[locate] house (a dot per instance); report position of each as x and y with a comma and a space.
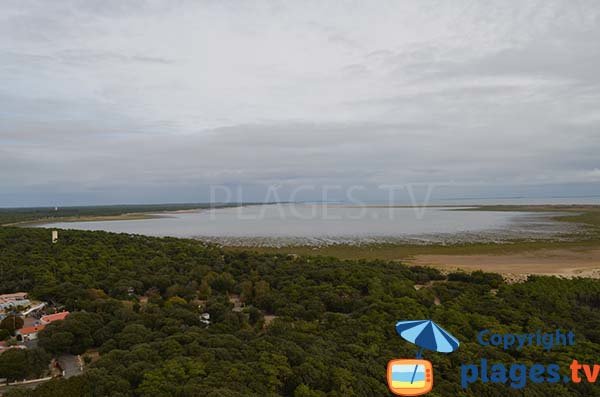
205, 318
50, 318
8, 301
15, 303
14, 296
29, 333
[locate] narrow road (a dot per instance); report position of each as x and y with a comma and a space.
71, 365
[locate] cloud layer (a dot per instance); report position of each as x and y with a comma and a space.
138, 101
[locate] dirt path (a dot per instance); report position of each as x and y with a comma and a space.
568, 263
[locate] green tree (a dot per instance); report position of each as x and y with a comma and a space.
18, 364
276, 369
12, 323
305, 391
14, 364
4, 334
204, 291
56, 341
73, 335
171, 378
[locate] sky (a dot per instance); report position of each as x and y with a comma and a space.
105, 102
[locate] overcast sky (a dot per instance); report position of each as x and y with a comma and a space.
154, 101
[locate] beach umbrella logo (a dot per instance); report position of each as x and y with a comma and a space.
414, 377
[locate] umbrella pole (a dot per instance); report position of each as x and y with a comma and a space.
419, 355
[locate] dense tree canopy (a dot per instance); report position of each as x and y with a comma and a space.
11, 323
19, 364
309, 326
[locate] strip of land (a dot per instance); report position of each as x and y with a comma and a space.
89, 218
38, 215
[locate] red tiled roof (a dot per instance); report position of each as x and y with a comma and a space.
31, 330
54, 317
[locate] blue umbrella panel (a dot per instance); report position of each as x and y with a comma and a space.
427, 335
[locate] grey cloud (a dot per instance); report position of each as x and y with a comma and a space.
82, 56
123, 101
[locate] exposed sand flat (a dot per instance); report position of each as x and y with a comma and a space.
560, 262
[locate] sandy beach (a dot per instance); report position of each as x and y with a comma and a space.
560, 262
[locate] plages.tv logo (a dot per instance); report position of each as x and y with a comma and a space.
414, 377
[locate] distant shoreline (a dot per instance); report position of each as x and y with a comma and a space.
90, 218
41, 215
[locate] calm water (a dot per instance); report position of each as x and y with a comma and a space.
331, 224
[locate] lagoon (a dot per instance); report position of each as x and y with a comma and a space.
318, 224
